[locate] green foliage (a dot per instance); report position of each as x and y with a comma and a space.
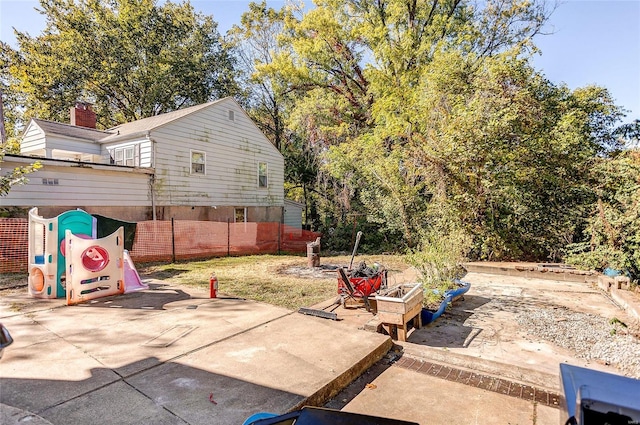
340, 237
255, 44
612, 236
629, 134
130, 58
9, 106
15, 176
428, 115
439, 260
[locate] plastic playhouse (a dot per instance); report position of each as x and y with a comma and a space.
66, 259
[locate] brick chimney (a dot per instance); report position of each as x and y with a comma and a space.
82, 115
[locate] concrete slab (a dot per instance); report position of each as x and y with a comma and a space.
170, 355
429, 400
11, 415
484, 326
115, 404
41, 370
295, 353
199, 396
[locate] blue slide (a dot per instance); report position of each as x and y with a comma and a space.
429, 316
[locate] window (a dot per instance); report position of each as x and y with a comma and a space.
241, 215
262, 174
197, 162
127, 155
232, 115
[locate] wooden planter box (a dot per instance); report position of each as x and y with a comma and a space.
400, 305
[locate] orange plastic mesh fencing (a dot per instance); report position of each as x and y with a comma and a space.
202, 239
180, 240
14, 244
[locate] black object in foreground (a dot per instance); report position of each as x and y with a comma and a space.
320, 416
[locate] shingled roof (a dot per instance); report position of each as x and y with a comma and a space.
121, 131
150, 123
68, 130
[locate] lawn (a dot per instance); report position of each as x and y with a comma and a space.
264, 278
261, 278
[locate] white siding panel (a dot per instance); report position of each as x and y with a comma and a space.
146, 150
33, 139
233, 150
293, 214
146, 155
79, 186
71, 145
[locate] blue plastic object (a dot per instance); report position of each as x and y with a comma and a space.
256, 417
429, 316
320, 416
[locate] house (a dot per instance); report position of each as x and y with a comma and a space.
293, 213
206, 162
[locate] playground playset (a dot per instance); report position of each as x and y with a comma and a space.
66, 259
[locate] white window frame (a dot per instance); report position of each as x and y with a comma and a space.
231, 115
265, 175
126, 155
203, 163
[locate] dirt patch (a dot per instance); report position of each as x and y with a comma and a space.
325, 271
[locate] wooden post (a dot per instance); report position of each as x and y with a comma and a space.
173, 242
279, 237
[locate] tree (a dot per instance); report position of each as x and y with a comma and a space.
255, 43
629, 133
435, 123
359, 69
15, 176
9, 178
612, 237
9, 104
130, 58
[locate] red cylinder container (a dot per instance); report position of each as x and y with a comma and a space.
213, 286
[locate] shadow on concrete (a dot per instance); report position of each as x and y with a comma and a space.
168, 393
449, 330
163, 274
351, 391
154, 298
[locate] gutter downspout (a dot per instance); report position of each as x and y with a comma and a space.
152, 180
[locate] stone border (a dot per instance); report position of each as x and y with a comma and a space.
485, 382
619, 288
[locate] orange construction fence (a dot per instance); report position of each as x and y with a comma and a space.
174, 240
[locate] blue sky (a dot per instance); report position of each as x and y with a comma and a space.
590, 42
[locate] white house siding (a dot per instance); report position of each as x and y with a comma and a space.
33, 140
293, 214
146, 150
56, 142
78, 186
233, 150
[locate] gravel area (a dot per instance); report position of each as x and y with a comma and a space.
591, 337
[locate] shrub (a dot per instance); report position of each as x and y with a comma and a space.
439, 260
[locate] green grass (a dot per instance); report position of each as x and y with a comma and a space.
260, 278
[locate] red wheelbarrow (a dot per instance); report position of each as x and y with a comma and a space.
356, 284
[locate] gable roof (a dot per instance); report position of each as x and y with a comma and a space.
132, 129
147, 124
68, 130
